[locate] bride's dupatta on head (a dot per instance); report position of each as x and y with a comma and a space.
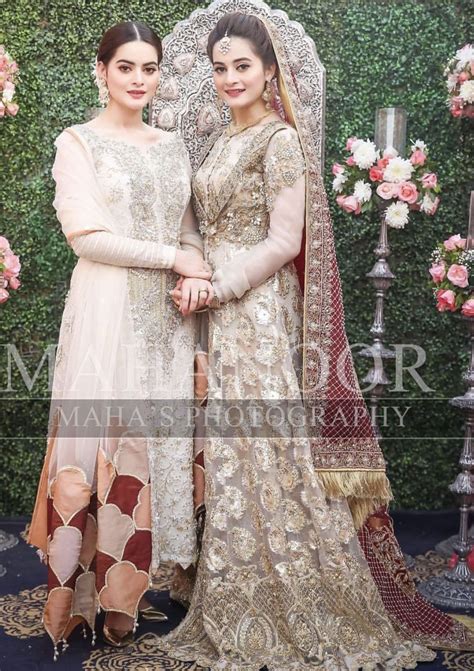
345, 449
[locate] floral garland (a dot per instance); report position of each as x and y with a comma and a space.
8, 80
389, 181
460, 82
9, 270
451, 269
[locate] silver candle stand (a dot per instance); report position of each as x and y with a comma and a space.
455, 588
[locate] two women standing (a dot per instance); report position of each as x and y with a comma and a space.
282, 579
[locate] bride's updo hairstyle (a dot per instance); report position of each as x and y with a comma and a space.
128, 31
249, 28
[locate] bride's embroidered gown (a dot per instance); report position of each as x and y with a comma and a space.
282, 580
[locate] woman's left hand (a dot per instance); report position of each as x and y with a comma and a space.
191, 294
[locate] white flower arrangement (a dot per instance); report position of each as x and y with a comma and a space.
366, 178
459, 73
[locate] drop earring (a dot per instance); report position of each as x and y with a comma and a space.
267, 95
104, 96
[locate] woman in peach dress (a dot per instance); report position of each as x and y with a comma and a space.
112, 505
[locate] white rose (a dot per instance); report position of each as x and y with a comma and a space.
355, 144
338, 181
8, 92
427, 203
452, 82
465, 55
396, 215
362, 191
419, 144
467, 91
365, 154
398, 170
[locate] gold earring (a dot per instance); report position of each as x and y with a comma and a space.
104, 96
267, 95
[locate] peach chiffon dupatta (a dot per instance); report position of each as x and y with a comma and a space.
92, 521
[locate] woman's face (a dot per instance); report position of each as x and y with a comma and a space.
132, 74
240, 75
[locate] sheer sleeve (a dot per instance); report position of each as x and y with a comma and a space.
190, 237
285, 190
118, 250
86, 221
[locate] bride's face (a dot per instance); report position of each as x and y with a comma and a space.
239, 74
132, 74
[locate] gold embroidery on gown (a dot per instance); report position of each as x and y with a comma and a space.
282, 580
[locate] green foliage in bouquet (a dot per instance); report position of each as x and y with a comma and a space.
377, 53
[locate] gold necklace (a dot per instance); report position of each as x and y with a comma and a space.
232, 129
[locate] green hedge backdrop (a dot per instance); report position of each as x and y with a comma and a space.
377, 53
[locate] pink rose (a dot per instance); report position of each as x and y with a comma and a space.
454, 242
429, 180
458, 275
407, 191
418, 157
434, 206
11, 265
349, 204
438, 272
4, 295
350, 161
468, 308
387, 190
383, 162
4, 244
375, 174
350, 142
337, 168
462, 77
446, 300
14, 283
12, 109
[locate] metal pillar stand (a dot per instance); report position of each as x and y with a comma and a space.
382, 278
455, 588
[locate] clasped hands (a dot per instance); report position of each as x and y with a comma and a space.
193, 290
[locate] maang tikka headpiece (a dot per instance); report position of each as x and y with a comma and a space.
224, 44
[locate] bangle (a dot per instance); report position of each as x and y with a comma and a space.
215, 303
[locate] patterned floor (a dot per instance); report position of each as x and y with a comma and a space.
24, 647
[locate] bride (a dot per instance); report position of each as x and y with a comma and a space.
283, 579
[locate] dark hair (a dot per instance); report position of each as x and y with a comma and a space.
128, 31
246, 26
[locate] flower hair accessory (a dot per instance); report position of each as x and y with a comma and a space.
224, 44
